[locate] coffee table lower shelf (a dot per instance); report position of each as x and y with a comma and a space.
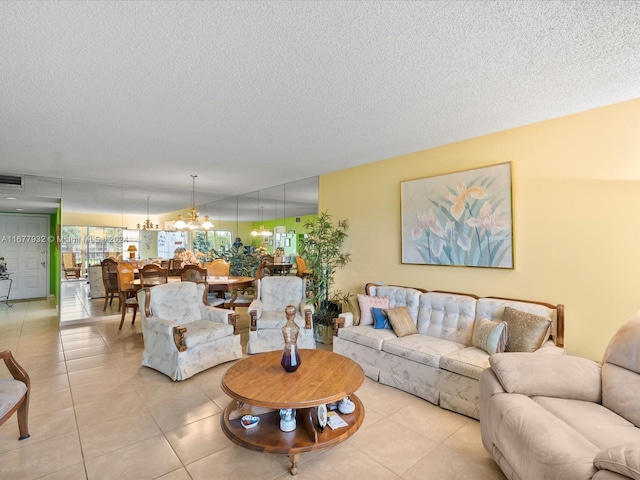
267, 437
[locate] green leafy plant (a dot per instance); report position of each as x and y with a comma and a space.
322, 249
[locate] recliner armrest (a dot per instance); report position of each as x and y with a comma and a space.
623, 459
560, 376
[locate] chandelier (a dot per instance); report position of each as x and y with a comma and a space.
262, 232
147, 224
192, 216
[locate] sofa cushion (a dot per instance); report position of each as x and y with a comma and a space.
623, 459
368, 302
490, 336
380, 319
400, 297
561, 376
366, 335
598, 424
620, 389
420, 348
621, 364
493, 309
525, 331
468, 362
401, 321
448, 316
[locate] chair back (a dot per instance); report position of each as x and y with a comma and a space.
193, 273
218, 268
109, 274
69, 260
279, 291
126, 276
178, 301
301, 266
152, 274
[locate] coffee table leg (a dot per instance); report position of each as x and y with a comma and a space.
294, 463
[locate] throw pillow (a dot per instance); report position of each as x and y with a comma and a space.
380, 319
368, 302
401, 321
527, 331
352, 305
490, 336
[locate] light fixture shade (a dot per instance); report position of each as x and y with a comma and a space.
207, 223
180, 223
132, 248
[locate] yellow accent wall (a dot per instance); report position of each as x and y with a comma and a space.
576, 208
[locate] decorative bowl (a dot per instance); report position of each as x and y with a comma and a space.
249, 421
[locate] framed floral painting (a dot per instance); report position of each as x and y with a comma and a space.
463, 218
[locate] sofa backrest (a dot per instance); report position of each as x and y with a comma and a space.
177, 301
447, 315
621, 371
492, 308
399, 297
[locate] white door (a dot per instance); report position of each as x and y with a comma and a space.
24, 243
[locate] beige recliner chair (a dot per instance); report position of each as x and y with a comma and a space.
557, 416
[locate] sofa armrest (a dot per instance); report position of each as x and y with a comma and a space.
347, 320
559, 376
160, 325
623, 459
215, 314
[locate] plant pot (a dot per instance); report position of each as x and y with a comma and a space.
323, 334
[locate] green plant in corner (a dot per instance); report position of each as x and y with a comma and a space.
322, 249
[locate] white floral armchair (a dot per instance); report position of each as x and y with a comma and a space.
273, 294
183, 335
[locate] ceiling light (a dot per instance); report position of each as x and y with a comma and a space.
10, 198
148, 225
192, 216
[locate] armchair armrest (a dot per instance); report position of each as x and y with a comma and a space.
169, 329
623, 459
560, 376
255, 312
221, 315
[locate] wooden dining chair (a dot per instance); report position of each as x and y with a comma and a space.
218, 268
152, 274
14, 394
301, 267
127, 290
70, 266
193, 273
109, 280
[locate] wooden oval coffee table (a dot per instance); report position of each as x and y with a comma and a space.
259, 386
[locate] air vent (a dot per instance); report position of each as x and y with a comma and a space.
11, 182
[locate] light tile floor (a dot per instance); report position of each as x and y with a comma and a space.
97, 414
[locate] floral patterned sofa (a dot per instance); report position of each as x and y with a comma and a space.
441, 356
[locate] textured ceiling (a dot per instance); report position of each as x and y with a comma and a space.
249, 95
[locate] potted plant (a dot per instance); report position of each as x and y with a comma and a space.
322, 250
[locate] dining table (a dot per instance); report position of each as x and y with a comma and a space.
216, 284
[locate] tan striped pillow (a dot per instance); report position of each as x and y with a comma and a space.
401, 321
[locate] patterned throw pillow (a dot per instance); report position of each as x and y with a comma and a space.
367, 303
527, 332
401, 321
490, 336
380, 319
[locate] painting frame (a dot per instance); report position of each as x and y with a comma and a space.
463, 218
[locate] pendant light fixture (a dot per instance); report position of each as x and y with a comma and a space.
261, 232
192, 216
147, 224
